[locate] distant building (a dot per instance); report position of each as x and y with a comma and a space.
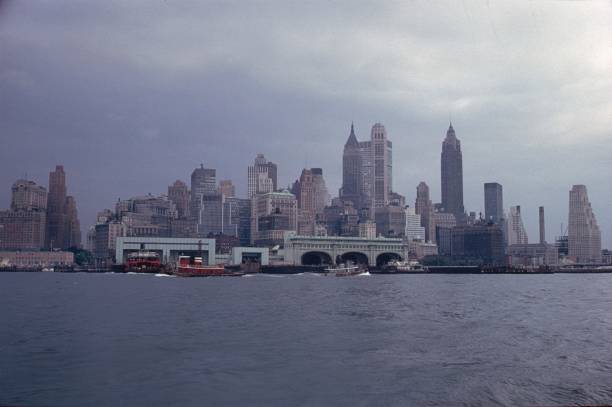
425, 209
390, 221
210, 221
22, 230
484, 242
23, 226
584, 236
262, 176
146, 215
56, 214
341, 219
494, 202
516, 230
606, 256
272, 214
444, 223
106, 235
367, 170
179, 194
414, 230
203, 182
367, 229
73, 226
538, 254
420, 249
237, 219
28, 196
452, 175
227, 188
321, 194
27, 259
63, 226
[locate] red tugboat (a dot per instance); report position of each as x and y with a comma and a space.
143, 262
188, 268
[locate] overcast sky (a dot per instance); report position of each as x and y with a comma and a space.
132, 95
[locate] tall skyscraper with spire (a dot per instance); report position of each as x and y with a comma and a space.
367, 170
452, 175
584, 236
352, 171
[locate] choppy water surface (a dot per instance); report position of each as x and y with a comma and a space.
128, 340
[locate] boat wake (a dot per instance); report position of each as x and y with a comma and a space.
163, 275
365, 274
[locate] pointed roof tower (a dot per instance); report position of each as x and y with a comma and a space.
352, 139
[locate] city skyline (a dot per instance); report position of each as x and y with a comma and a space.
127, 139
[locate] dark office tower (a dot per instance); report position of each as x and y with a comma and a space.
56, 214
178, 193
352, 171
424, 207
452, 176
203, 182
494, 202
72, 234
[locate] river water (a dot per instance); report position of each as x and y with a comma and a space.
305, 340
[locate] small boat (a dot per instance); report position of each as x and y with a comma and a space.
193, 267
397, 266
346, 270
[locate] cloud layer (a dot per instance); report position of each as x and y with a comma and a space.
130, 96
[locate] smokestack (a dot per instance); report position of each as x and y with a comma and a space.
542, 226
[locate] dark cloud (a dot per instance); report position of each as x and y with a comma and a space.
130, 96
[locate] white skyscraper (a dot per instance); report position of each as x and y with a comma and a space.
584, 236
516, 230
414, 230
261, 176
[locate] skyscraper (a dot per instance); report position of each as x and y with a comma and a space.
321, 194
381, 152
23, 226
203, 181
516, 229
494, 202
73, 226
424, 207
56, 214
179, 194
227, 188
584, 236
452, 175
262, 176
367, 170
352, 171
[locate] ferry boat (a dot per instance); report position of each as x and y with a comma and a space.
397, 266
187, 267
143, 262
346, 270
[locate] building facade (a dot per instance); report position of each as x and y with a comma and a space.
584, 236
272, 214
262, 176
424, 207
452, 175
203, 182
179, 194
516, 230
494, 202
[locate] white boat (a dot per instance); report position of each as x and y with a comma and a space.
397, 266
346, 269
